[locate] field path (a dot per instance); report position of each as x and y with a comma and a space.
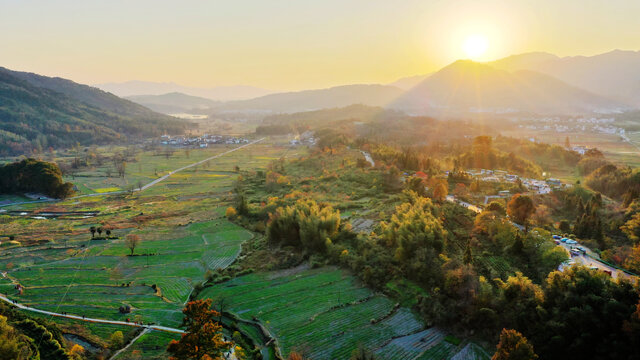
144, 187
129, 344
94, 320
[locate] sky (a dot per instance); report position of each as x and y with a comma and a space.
295, 44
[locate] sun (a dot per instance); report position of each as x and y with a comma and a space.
475, 46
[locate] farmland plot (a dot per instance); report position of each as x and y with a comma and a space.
327, 313
97, 281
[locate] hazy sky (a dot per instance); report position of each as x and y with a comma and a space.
294, 44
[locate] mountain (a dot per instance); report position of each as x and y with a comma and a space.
173, 103
527, 61
467, 86
220, 93
615, 74
408, 83
309, 100
37, 112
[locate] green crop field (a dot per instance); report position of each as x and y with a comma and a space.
326, 313
91, 283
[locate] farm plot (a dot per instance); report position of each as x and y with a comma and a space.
97, 281
324, 312
150, 346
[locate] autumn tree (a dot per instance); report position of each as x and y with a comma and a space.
131, 242
203, 336
513, 346
520, 208
632, 228
116, 340
440, 191
13, 345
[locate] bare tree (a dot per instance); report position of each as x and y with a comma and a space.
131, 242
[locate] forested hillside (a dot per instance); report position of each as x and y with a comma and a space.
37, 112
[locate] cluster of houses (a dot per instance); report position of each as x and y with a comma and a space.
562, 125
200, 141
533, 185
306, 138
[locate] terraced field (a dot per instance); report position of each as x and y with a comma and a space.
98, 280
327, 313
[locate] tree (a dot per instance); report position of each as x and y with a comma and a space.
116, 340
520, 208
230, 213
564, 226
305, 224
93, 231
99, 230
13, 346
468, 257
567, 144
496, 207
76, 352
440, 191
131, 242
632, 262
513, 346
203, 335
632, 228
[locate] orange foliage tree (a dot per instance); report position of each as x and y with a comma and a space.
203, 337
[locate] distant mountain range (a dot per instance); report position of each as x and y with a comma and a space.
38, 111
309, 100
615, 74
220, 93
467, 86
173, 103
533, 83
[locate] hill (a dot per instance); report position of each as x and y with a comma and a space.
37, 112
408, 83
308, 100
219, 93
173, 103
615, 74
467, 86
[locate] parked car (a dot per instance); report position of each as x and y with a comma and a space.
569, 241
564, 240
575, 252
557, 237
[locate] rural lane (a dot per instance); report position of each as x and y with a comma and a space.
94, 320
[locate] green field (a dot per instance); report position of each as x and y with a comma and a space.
180, 221
326, 313
90, 283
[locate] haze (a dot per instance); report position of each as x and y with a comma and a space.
289, 45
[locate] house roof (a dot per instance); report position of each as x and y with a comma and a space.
420, 174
